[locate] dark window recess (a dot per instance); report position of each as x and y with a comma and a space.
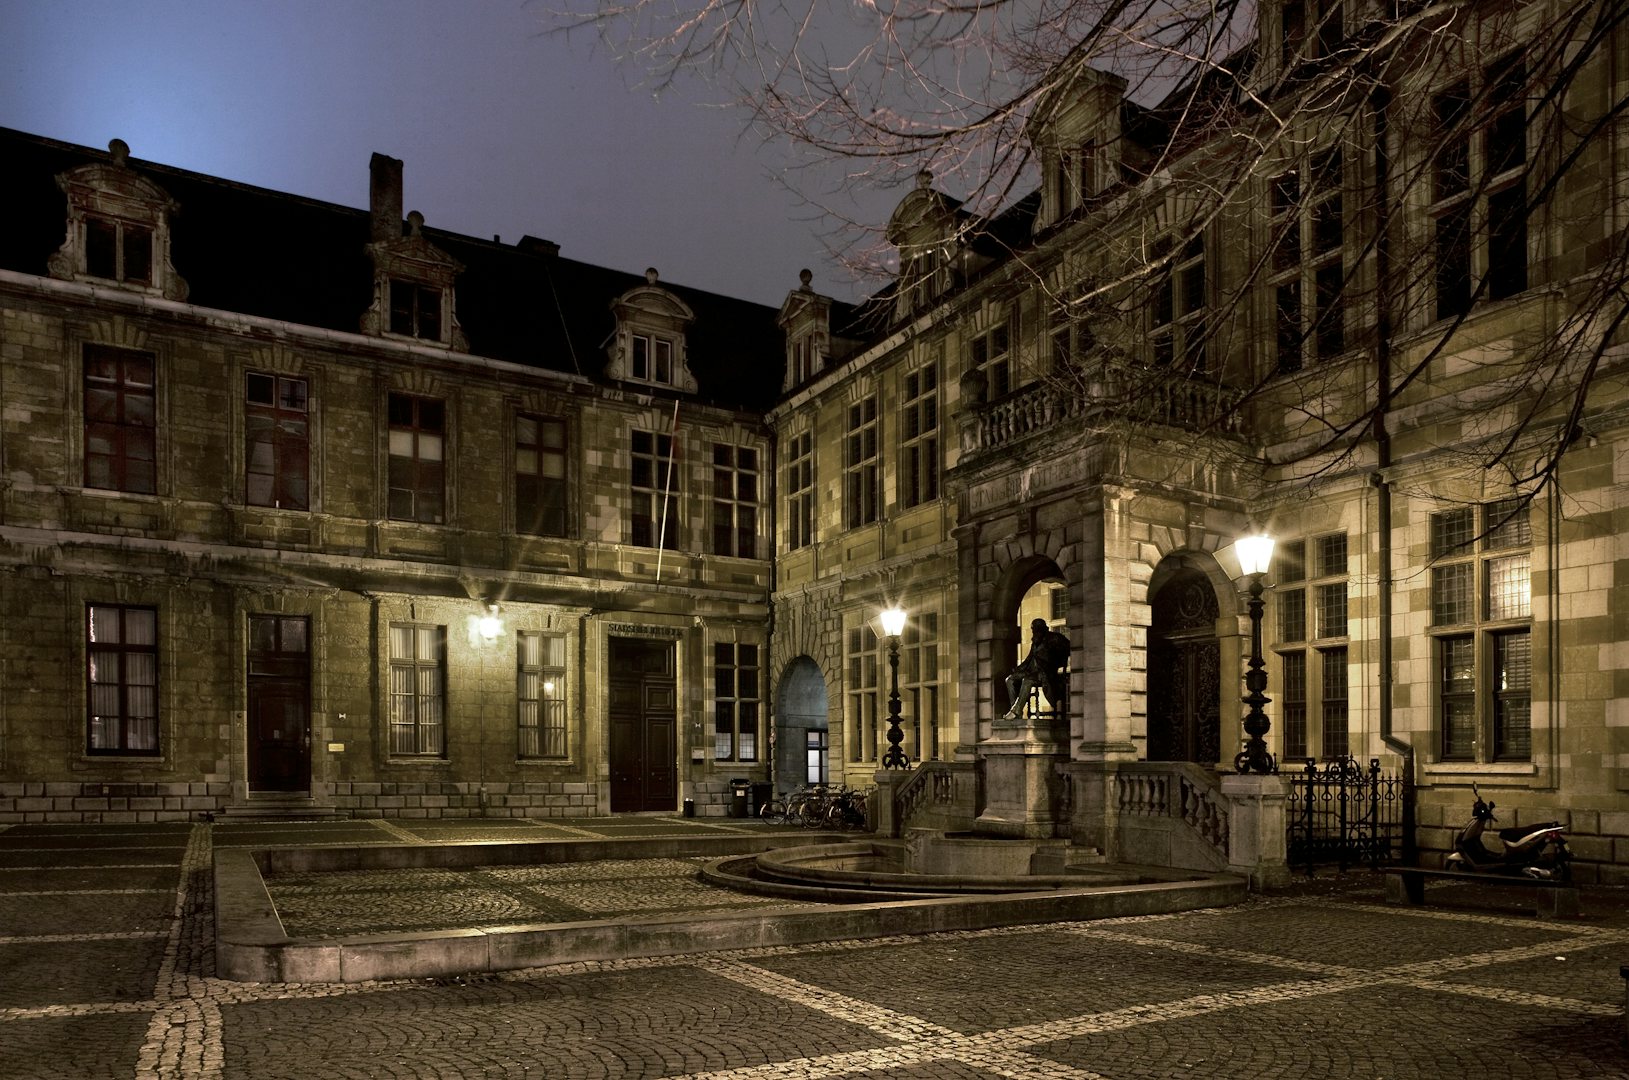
121, 653
277, 450
417, 451
415, 310
653, 490
540, 475
121, 432
119, 251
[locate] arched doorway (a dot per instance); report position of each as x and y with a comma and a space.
802, 749
1184, 670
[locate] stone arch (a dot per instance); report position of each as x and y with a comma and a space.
802, 708
1006, 635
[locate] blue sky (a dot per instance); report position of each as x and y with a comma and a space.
504, 129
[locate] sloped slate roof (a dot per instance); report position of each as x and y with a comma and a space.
266, 253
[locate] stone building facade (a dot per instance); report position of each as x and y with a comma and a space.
1383, 340
309, 510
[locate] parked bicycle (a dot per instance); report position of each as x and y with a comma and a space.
795, 808
847, 809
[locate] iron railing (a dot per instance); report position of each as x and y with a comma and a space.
1344, 815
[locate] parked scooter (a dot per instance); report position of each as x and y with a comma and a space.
1535, 851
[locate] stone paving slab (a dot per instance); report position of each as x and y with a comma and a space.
1021, 978
1350, 1034
116, 969
123, 876
653, 1022
44, 911
81, 856
99, 1046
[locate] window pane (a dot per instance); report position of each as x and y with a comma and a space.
1452, 531
1452, 593
1510, 584
1331, 610
1292, 615
1512, 695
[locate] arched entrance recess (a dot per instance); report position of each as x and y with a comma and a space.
801, 723
1184, 666
1023, 595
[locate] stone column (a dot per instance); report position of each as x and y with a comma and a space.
884, 818
1257, 828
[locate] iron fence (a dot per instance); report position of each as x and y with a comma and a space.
1345, 815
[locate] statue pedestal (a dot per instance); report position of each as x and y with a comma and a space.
1021, 783
1257, 834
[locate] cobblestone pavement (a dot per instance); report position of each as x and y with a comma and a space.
106, 961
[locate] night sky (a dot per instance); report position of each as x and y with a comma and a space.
504, 129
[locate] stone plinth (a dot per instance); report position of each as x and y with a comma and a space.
1258, 823
1021, 784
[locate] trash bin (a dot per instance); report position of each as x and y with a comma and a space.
762, 794
739, 789
690, 808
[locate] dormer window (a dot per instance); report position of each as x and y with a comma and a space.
118, 250
651, 360
415, 310
118, 228
649, 344
413, 279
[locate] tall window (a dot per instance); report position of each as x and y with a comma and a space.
1481, 614
919, 686
919, 436
118, 250
121, 422
800, 501
862, 664
992, 356
1311, 644
735, 501
418, 429
1309, 271
860, 464
1176, 316
541, 694
418, 690
737, 691
121, 652
1479, 206
415, 310
540, 475
653, 490
277, 451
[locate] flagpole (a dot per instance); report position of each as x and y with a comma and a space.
667, 487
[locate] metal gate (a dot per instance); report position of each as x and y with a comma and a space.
1344, 815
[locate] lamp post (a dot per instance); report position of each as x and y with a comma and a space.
893, 624
1255, 554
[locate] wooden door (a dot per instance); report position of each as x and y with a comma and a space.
1184, 673
279, 698
644, 726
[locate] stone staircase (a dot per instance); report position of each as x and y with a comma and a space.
278, 806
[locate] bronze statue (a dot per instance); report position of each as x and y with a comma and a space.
1048, 652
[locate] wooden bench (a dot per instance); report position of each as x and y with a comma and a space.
1551, 899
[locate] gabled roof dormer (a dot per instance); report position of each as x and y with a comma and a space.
924, 229
648, 345
1075, 130
118, 229
805, 321
413, 279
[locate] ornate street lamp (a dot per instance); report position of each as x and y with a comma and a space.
893, 625
1255, 554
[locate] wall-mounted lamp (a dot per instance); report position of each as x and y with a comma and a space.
490, 626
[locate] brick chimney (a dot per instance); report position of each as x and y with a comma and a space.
385, 197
